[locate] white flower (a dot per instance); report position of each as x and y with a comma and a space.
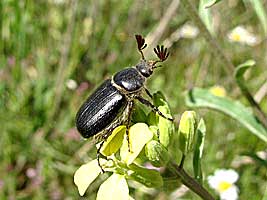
223, 182
59, 1
71, 84
241, 35
188, 31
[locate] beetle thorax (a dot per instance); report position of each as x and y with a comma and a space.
129, 80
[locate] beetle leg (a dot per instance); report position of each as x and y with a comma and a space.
106, 134
154, 108
98, 155
148, 93
128, 120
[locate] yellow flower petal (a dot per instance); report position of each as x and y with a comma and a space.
114, 188
85, 175
139, 135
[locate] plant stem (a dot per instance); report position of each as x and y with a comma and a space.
154, 36
257, 109
229, 67
191, 182
182, 161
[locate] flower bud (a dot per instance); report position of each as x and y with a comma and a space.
156, 153
187, 131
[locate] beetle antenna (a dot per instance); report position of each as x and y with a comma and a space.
162, 53
141, 44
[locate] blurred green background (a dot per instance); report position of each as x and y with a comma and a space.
55, 52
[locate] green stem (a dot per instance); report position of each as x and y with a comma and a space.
191, 183
256, 107
182, 161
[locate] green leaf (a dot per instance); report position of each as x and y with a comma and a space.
114, 188
85, 175
261, 13
114, 141
166, 127
159, 99
139, 135
240, 70
186, 131
265, 194
201, 132
198, 97
148, 177
205, 15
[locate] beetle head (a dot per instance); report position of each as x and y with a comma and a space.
146, 67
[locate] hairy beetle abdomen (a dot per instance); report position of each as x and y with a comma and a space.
129, 79
100, 109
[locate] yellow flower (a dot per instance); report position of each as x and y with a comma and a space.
218, 91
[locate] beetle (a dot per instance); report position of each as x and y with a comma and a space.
111, 104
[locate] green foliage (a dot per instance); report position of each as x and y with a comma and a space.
198, 152
187, 131
165, 127
203, 98
40, 152
157, 154
260, 10
206, 14
239, 73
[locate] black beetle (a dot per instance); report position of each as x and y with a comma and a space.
111, 104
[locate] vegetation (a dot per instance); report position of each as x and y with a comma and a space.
54, 53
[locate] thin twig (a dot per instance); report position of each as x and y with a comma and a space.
153, 37
261, 93
174, 37
179, 193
